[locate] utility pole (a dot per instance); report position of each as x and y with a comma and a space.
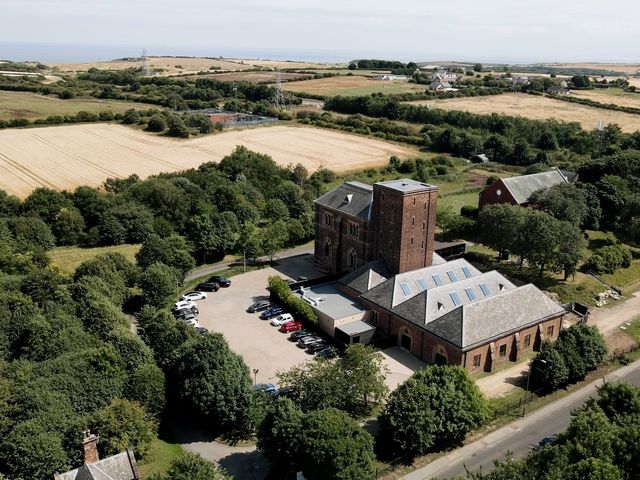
526, 391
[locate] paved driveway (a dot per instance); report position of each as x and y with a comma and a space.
262, 346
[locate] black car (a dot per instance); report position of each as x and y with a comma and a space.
220, 280
328, 352
201, 331
297, 335
272, 312
317, 346
259, 306
185, 311
207, 287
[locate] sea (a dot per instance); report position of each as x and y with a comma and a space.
79, 53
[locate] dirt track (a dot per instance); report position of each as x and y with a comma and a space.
68, 156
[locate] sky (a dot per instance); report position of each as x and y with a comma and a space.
419, 30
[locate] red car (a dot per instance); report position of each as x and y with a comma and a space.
290, 327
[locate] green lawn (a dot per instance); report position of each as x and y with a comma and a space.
458, 200
159, 457
32, 105
633, 330
68, 258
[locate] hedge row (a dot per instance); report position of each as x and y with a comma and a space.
591, 103
281, 293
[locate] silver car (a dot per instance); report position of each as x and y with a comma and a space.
304, 342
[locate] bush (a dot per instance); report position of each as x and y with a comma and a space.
469, 211
130, 117
609, 258
157, 123
281, 293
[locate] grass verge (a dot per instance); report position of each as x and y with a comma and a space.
159, 457
69, 258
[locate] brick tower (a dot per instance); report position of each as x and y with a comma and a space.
404, 212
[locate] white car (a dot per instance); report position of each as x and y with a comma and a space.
192, 320
280, 319
191, 296
183, 304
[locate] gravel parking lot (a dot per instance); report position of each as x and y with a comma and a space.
262, 346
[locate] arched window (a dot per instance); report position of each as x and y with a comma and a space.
352, 259
327, 249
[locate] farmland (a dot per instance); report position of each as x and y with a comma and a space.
352, 86
538, 108
68, 156
32, 106
616, 96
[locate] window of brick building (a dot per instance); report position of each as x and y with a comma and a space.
354, 229
422, 246
550, 331
476, 360
527, 341
375, 316
503, 350
328, 219
424, 225
413, 221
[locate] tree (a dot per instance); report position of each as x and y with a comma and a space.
589, 343
172, 251
570, 246
159, 283
157, 123
191, 466
549, 369
177, 128
593, 469
538, 238
334, 446
589, 435
146, 386
130, 117
162, 333
618, 399
564, 201
213, 381
123, 424
438, 405
501, 226
280, 432
274, 238
68, 226
31, 233
477, 67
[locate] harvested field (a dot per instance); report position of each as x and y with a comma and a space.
68, 156
32, 105
251, 76
186, 65
616, 96
352, 86
538, 108
626, 68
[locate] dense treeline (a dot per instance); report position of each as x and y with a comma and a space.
244, 203
601, 442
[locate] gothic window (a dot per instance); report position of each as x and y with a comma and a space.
327, 249
351, 259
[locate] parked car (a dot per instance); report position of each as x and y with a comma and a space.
201, 331
304, 342
545, 441
220, 280
288, 392
185, 312
182, 304
269, 388
317, 346
327, 352
287, 327
295, 336
272, 312
192, 320
259, 306
208, 287
282, 318
194, 296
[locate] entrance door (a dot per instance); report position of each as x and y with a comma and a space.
440, 359
405, 341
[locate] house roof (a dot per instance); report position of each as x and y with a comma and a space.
407, 185
122, 466
352, 198
356, 328
523, 186
368, 276
478, 322
330, 301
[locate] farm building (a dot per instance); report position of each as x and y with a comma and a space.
388, 77
401, 291
439, 85
558, 91
446, 76
517, 190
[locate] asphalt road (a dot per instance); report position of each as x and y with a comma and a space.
518, 437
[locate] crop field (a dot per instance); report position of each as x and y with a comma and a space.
32, 106
538, 108
251, 76
616, 96
185, 65
626, 68
352, 86
65, 157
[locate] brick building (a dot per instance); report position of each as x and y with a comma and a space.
442, 311
517, 190
357, 223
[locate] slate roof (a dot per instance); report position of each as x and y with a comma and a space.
368, 276
352, 198
478, 322
523, 186
122, 466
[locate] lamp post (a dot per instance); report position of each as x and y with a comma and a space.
255, 376
526, 391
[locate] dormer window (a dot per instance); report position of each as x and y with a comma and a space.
348, 198
440, 307
501, 287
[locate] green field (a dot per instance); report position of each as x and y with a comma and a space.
33, 106
458, 200
355, 85
68, 258
159, 457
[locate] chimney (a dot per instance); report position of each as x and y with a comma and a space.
90, 444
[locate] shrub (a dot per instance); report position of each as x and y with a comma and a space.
130, 117
469, 211
281, 293
157, 123
609, 258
